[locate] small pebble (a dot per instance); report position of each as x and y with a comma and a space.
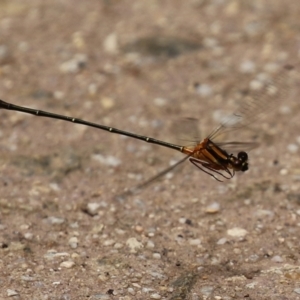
103, 277
285, 110
52, 253
204, 90
247, 67
27, 278
110, 44
11, 293
108, 242
28, 236
210, 42
58, 95
92, 208
213, 208
139, 229
109, 160
131, 291
92, 89
255, 85
150, 245
182, 220
156, 255
74, 65
293, 148
73, 242
103, 297
67, 264
206, 290
118, 245
78, 40
251, 285
24, 226
237, 232
261, 213
222, 241
107, 102
277, 259
253, 258
155, 296
134, 244
55, 220
195, 242
160, 102
283, 172
297, 290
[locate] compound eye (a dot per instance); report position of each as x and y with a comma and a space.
244, 167
242, 156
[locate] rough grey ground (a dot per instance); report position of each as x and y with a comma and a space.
141, 66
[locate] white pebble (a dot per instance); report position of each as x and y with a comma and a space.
247, 67
210, 42
160, 102
237, 232
67, 264
255, 85
61, 254
52, 253
156, 255
108, 242
27, 278
150, 245
213, 208
285, 110
108, 160
73, 242
195, 242
264, 213
277, 259
58, 95
134, 244
110, 44
73, 65
155, 296
251, 285
206, 290
107, 102
182, 220
222, 241
92, 208
292, 148
118, 245
283, 172
55, 220
204, 90
11, 293
28, 236
131, 291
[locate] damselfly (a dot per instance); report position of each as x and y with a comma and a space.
207, 155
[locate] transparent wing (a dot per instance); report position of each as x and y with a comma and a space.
235, 147
265, 92
186, 131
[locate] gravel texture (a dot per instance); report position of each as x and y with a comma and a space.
142, 66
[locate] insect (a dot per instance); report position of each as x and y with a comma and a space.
207, 155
